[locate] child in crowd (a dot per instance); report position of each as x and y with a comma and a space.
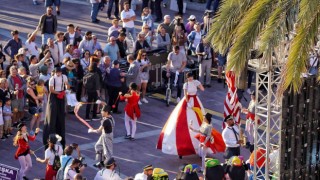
42, 92
7, 117
1, 124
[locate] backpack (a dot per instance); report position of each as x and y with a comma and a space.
89, 81
60, 173
56, 161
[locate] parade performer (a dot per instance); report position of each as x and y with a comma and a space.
23, 152
250, 111
132, 110
209, 138
175, 137
231, 137
55, 118
104, 146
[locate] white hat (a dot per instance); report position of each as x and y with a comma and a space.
192, 17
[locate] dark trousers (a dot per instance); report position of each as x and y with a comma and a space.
232, 151
180, 6
55, 119
157, 9
79, 91
179, 82
113, 95
116, 8
92, 97
250, 77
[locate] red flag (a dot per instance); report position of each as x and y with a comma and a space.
231, 104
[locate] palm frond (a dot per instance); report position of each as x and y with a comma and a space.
247, 33
301, 46
227, 18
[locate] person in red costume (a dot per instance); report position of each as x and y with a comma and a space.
21, 140
132, 110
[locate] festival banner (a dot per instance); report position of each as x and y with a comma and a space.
8, 172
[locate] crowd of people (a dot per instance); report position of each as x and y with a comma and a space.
39, 78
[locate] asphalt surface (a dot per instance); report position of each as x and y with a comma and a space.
131, 156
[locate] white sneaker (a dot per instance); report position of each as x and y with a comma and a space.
178, 100
140, 103
144, 100
249, 91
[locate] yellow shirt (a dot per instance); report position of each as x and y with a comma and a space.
40, 90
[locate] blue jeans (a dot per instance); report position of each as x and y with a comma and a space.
46, 36
179, 82
116, 8
94, 11
132, 32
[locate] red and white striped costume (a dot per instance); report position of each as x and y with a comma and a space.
231, 104
175, 137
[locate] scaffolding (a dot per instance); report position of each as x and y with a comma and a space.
267, 133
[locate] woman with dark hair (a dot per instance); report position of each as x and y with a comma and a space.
34, 103
132, 110
3, 74
21, 140
145, 65
85, 61
79, 75
99, 54
35, 65
49, 155
179, 38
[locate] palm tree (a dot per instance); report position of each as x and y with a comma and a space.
242, 25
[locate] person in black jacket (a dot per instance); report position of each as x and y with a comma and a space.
92, 85
48, 25
79, 75
141, 43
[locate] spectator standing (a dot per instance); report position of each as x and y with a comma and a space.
148, 34
21, 61
115, 29
14, 44
73, 169
95, 10
79, 73
49, 155
50, 3
141, 43
54, 50
55, 119
34, 103
191, 22
163, 39
128, 17
166, 25
175, 66
122, 44
146, 18
157, 9
231, 138
69, 71
222, 60
180, 7
145, 65
35, 65
179, 38
69, 52
114, 83
85, 61
205, 56
71, 36
48, 25
18, 85
104, 145
108, 172
31, 45
112, 49
2, 127
132, 75
61, 49
96, 44
116, 9
250, 121
66, 158
92, 85
194, 38
86, 43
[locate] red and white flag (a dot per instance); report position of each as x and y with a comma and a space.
231, 104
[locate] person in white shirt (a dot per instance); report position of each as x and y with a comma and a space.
147, 172
61, 48
86, 43
108, 172
128, 17
54, 50
231, 138
72, 170
55, 119
31, 45
49, 155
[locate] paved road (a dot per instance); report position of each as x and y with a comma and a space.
131, 156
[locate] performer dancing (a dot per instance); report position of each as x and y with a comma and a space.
55, 119
209, 138
175, 137
23, 152
132, 110
104, 146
